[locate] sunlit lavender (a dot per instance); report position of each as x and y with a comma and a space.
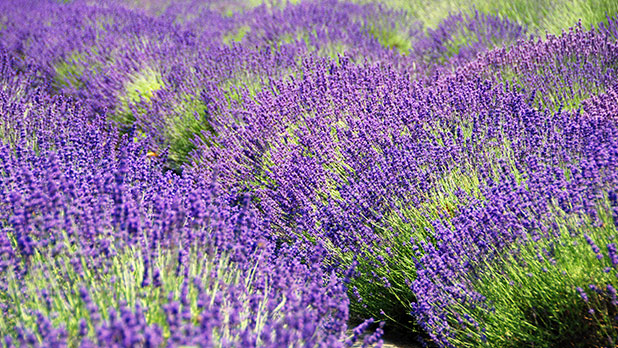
308, 173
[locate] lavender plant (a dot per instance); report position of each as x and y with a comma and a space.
268, 173
94, 238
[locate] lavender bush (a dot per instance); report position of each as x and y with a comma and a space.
308, 173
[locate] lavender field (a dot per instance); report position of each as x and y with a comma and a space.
308, 173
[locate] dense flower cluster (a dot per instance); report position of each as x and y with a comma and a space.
224, 173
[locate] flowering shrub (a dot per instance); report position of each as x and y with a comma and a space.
306, 174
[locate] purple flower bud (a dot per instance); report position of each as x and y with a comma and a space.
582, 294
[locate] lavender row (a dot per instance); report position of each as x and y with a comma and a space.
260, 178
84, 207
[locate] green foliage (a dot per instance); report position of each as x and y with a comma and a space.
387, 267
539, 15
9, 134
393, 38
190, 120
237, 35
248, 83
232, 7
392, 34
140, 87
121, 281
565, 85
567, 12
333, 50
533, 297
69, 71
